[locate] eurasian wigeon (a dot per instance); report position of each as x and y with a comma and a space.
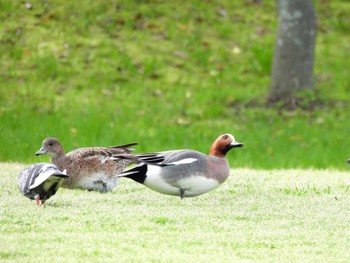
40, 181
186, 173
88, 167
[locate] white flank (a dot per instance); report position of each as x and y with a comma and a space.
185, 161
193, 185
197, 185
157, 183
94, 181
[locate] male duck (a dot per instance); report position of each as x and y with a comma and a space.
186, 173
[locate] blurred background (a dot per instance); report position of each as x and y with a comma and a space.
176, 74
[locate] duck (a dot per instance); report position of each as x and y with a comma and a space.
40, 181
88, 167
186, 172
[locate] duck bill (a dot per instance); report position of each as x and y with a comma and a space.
348, 161
236, 145
41, 151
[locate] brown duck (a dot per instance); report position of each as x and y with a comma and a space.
88, 168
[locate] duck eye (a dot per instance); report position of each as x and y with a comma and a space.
50, 144
225, 137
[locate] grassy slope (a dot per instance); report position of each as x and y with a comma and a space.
168, 75
264, 216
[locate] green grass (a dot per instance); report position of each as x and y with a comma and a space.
256, 216
169, 75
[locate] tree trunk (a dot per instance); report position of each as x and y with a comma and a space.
292, 68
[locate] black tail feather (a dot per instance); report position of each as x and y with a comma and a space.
137, 173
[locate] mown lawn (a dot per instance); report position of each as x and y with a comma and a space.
256, 216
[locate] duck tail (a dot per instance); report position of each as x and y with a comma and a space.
137, 173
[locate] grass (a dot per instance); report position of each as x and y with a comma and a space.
256, 216
168, 75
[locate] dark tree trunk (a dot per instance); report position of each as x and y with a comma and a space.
292, 68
